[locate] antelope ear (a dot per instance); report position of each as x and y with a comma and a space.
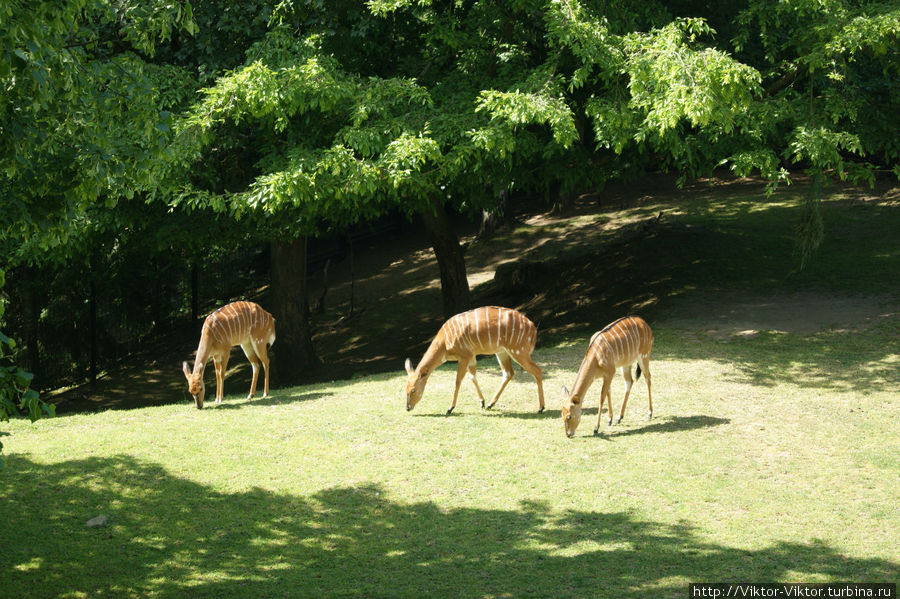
409, 368
565, 392
186, 370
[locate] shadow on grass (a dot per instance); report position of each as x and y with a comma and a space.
672, 424
170, 537
493, 412
274, 399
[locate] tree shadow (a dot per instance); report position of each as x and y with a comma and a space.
171, 537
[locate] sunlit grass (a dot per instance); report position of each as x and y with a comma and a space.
334, 489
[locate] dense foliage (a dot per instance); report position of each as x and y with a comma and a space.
16, 396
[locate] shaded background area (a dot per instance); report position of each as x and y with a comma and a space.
714, 259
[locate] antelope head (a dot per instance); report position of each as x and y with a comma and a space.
195, 385
571, 412
415, 385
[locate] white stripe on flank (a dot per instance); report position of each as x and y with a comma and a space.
489, 313
452, 331
459, 330
496, 342
478, 326
220, 327
468, 330
231, 331
226, 324
211, 329
596, 353
499, 322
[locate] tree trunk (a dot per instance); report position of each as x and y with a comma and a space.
500, 216
564, 202
293, 355
449, 254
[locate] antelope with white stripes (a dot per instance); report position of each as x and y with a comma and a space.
488, 330
619, 345
239, 323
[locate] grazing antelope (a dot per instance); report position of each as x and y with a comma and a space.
488, 330
619, 344
238, 323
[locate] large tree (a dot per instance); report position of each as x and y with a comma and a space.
430, 105
82, 118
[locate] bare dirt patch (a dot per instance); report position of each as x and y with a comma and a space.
732, 313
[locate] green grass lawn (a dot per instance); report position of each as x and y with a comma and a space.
772, 456
335, 490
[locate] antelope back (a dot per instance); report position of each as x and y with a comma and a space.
622, 342
237, 322
488, 329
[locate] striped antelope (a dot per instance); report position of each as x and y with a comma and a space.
488, 330
238, 323
619, 344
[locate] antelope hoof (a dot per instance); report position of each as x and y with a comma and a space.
482, 405
609, 422
541, 410
597, 432
618, 420
448, 411
649, 415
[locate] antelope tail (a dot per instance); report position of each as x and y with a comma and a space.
637, 373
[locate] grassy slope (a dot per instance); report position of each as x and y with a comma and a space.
772, 457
